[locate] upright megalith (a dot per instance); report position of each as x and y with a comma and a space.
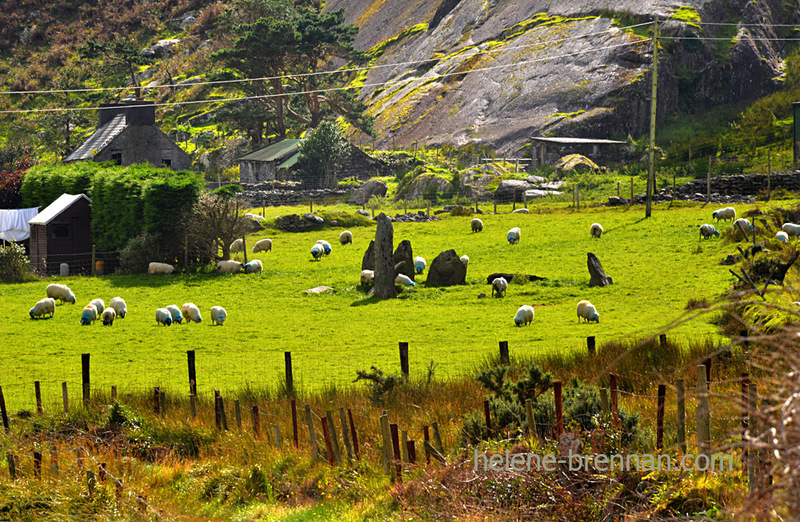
384, 260
404, 259
368, 261
598, 275
447, 270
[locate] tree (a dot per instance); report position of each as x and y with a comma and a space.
217, 220
14, 164
117, 54
322, 152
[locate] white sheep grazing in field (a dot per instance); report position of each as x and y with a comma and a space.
253, 267
254, 217
477, 225
263, 245
596, 230
191, 312
317, 251
160, 268
99, 304
89, 315
43, 307
346, 237
588, 312
420, 264
464, 260
367, 277
499, 286
743, 226
163, 317
521, 211
60, 292
791, 229
175, 312
229, 266
109, 314
514, 235
782, 236
326, 247
524, 315
706, 231
725, 214
402, 279
218, 315
237, 246
120, 306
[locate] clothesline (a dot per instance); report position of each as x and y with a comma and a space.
14, 223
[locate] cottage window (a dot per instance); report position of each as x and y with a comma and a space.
60, 231
116, 157
167, 162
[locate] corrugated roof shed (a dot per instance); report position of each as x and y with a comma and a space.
275, 152
578, 141
55, 208
99, 139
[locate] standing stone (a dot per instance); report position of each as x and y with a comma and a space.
598, 276
368, 263
384, 261
404, 259
447, 270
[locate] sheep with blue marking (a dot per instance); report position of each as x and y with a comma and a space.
253, 267
163, 317
191, 312
404, 280
587, 312
317, 251
744, 226
596, 230
514, 235
60, 292
262, 245
89, 315
120, 306
499, 286
326, 247
420, 264
43, 307
218, 315
346, 238
707, 231
524, 315
724, 214
108, 315
782, 236
175, 312
477, 225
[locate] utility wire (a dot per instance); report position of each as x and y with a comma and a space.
334, 89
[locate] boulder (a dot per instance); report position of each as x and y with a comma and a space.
373, 187
598, 276
384, 263
362, 212
447, 270
404, 259
160, 49
509, 189
427, 183
296, 223
368, 262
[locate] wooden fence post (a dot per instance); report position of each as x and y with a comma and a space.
427, 440
745, 399
53, 460
702, 412
328, 445
85, 378
754, 457
312, 438
287, 357
488, 417
559, 412
404, 359
345, 434
256, 418
193, 405
396, 451
590, 346
12, 468
222, 414
237, 408
662, 340
192, 372
65, 397
530, 418
662, 392
604, 401
612, 381
91, 482
102, 473
437, 438
217, 410
386, 434
156, 400
278, 438
707, 364
4, 412
504, 356
353, 434
412, 451
404, 446
295, 434
113, 393
681, 393
37, 464
37, 391
334, 437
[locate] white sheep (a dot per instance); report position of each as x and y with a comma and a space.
191, 312
229, 266
402, 279
782, 236
160, 268
524, 315
706, 231
477, 225
596, 230
60, 292
346, 237
514, 235
109, 314
420, 264
254, 217
99, 304
163, 317
89, 315
367, 277
725, 214
253, 267
325, 246
743, 225
262, 245
218, 315
499, 286
521, 211
588, 312
465, 260
237, 246
175, 312
317, 251
791, 229
119, 306
43, 307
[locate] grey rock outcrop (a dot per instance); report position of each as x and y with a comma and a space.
447, 270
296, 223
426, 184
511, 190
373, 187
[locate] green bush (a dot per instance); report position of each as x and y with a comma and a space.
138, 253
14, 264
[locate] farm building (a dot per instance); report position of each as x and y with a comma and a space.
127, 134
277, 162
565, 146
62, 233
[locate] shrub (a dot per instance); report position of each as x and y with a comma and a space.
380, 385
138, 253
14, 264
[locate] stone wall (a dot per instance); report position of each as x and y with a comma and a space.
742, 184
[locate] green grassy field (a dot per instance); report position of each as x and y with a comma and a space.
656, 265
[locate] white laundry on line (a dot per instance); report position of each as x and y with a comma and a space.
14, 223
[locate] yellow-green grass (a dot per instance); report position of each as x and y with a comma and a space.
657, 266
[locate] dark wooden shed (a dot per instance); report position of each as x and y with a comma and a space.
62, 233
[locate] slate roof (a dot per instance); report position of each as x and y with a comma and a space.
99, 139
279, 151
578, 141
55, 208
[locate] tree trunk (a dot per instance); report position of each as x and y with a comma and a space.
384, 259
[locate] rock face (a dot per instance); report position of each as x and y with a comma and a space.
384, 263
598, 276
447, 270
296, 223
509, 189
427, 184
373, 187
404, 259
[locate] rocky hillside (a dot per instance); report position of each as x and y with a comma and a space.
497, 72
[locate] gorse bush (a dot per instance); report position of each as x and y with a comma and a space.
14, 264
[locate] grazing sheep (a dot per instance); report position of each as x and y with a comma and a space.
109, 314
160, 268
191, 312
782, 236
263, 245
346, 237
706, 231
99, 304
743, 226
119, 306
325, 246
524, 315
175, 312
89, 315
791, 229
237, 246
420, 264
465, 260
514, 235
43, 307
163, 317
402, 279
725, 214
521, 211
499, 286
596, 230
253, 267
60, 292
317, 251
367, 277
218, 315
477, 225
229, 266
254, 217
588, 312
